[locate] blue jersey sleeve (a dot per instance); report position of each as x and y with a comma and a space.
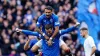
67, 30
56, 21
27, 32
39, 22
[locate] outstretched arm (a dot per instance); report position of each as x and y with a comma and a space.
27, 32
69, 29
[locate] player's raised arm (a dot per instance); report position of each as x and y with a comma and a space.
26, 46
69, 29
27, 32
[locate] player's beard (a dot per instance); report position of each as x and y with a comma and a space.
48, 16
49, 34
84, 36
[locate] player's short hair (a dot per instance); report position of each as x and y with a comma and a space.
48, 26
84, 28
49, 8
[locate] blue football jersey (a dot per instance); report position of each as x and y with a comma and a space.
53, 50
42, 21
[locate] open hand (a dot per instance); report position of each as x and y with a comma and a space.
18, 30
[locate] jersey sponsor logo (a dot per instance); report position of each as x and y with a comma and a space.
56, 23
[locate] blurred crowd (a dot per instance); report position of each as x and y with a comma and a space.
24, 14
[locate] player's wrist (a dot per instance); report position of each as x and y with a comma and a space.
50, 38
43, 34
20, 30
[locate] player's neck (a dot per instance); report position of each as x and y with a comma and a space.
86, 36
48, 17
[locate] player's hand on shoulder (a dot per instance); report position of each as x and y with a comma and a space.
50, 42
18, 30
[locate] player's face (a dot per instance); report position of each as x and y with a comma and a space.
48, 13
82, 32
49, 31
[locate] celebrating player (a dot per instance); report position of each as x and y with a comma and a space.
53, 49
48, 18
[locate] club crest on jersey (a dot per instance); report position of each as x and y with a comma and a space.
51, 20
44, 20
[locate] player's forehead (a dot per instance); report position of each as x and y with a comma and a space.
49, 29
47, 10
83, 29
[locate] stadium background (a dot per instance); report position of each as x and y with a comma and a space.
24, 14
